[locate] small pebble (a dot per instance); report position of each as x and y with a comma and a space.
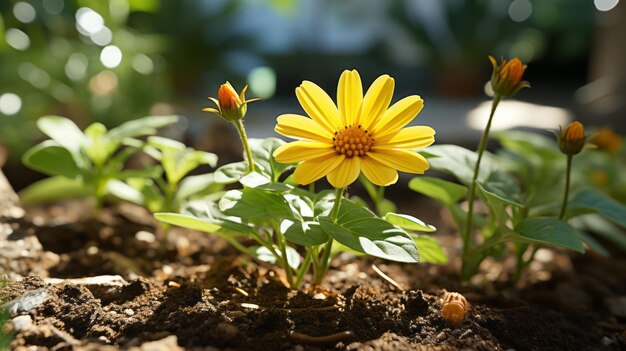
441, 336
129, 312
21, 323
27, 301
143, 235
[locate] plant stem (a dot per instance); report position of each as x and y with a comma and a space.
467, 235
244, 142
280, 243
567, 180
325, 261
303, 268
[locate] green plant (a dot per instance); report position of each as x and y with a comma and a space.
522, 187
82, 164
168, 190
301, 230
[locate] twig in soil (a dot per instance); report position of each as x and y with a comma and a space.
320, 340
387, 278
250, 305
242, 292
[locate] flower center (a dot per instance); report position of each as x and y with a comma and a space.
353, 141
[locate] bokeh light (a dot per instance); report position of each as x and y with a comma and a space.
10, 104
111, 56
17, 39
24, 12
605, 5
262, 81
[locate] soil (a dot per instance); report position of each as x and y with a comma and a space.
84, 284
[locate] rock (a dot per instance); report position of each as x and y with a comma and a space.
616, 306
169, 343
22, 322
103, 287
28, 301
129, 312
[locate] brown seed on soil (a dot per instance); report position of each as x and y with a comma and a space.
454, 307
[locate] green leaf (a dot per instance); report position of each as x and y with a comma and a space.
593, 244
231, 173
446, 192
262, 152
53, 189
152, 198
188, 160
254, 204
502, 186
385, 206
460, 162
125, 192
408, 222
589, 200
374, 237
139, 127
53, 159
600, 226
198, 186
96, 146
264, 254
187, 221
548, 231
360, 230
429, 249
62, 130
305, 233
208, 211
162, 143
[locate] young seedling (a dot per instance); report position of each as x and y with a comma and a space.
169, 190
83, 164
301, 230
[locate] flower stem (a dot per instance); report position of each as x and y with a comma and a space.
325, 261
567, 180
467, 236
244, 142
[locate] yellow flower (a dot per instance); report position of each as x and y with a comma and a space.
359, 134
230, 106
572, 139
506, 79
608, 140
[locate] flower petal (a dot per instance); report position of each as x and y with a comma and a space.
319, 106
397, 116
378, 173
415, 137
311, 170
302, 150
376, 101
349, 96
346, 173
402, 160
300, 127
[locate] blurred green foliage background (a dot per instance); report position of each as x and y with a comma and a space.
115, 60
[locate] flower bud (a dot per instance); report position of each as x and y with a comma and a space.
606, 139
506, 79
572, 139
230, 106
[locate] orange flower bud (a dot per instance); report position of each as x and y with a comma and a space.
230, 106
227, 96
572, 139
506, 79
608, 140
